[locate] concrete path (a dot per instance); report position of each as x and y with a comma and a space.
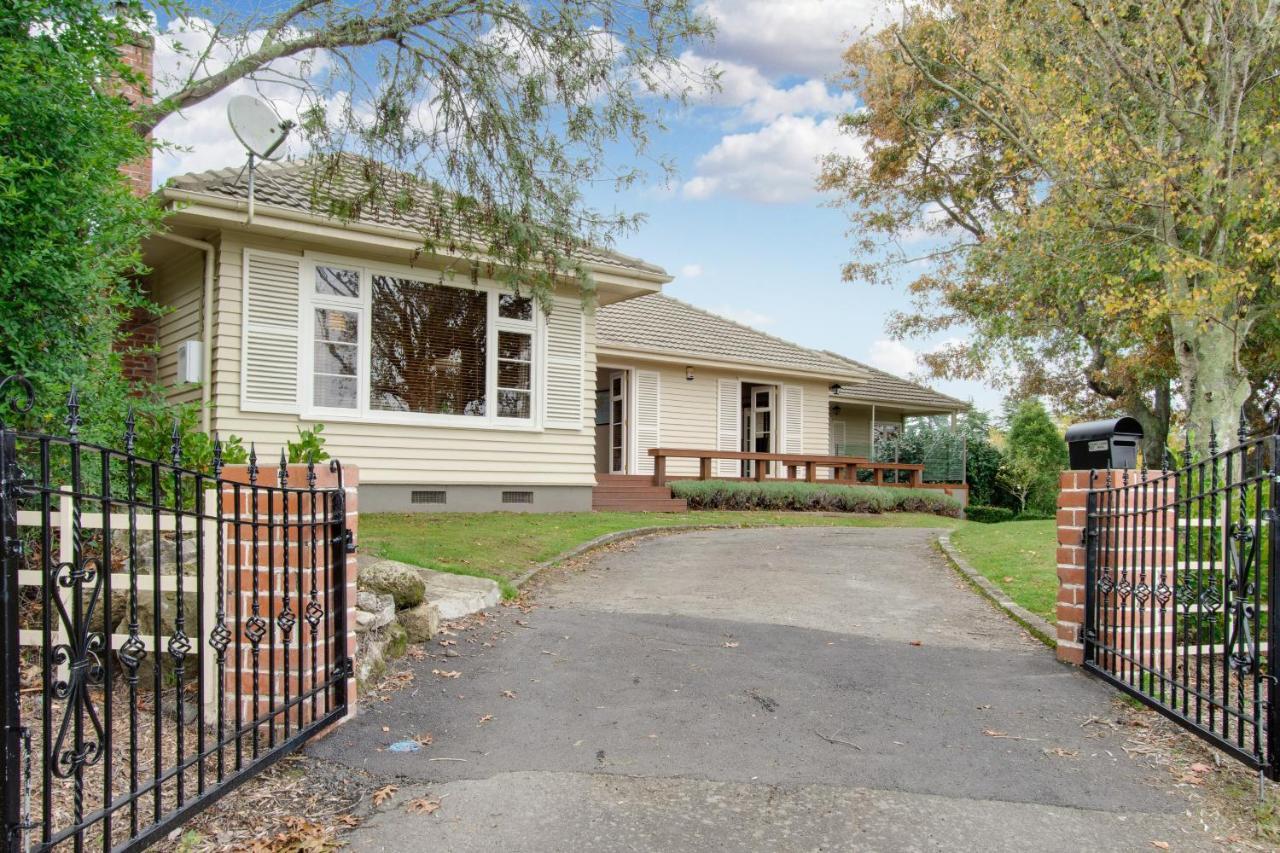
803, 689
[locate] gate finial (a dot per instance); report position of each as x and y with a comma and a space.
217, 455
1242, 432
175, 443
73, 413
284, 469
253, 463
130, 432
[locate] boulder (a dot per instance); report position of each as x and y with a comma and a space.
374, 610
402, 582
456, 596
420, 623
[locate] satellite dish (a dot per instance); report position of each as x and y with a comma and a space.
257, 126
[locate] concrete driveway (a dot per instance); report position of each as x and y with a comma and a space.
793, 689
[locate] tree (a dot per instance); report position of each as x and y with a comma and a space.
1099, 177
1035, 455
501, 109
71, 227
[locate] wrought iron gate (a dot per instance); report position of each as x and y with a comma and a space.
166, 632
1180, 585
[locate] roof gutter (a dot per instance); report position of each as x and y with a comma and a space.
701, 360
286, 214
206, 324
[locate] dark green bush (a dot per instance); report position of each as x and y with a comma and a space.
811, 497
988, 514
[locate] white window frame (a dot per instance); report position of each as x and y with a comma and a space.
309, 300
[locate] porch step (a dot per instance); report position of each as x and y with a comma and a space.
633, 493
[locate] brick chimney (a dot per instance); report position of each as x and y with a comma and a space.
138, 55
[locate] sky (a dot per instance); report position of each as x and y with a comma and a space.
741, 228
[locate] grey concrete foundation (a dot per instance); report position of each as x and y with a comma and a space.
382, 497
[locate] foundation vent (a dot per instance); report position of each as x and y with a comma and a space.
424, 496
517, 497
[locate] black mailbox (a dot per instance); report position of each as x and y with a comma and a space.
1112, 443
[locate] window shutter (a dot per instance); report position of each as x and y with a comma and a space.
792, 419
566, 352
728, 425
270, 350
648, 401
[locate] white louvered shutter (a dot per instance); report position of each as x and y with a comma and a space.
648, 404
728, 425
792, 419
270, 337
566, 352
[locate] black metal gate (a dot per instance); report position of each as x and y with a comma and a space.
1180, 584
166, 632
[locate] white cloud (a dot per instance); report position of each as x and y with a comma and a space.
756, 98
691, 271
200, 134
901, 360
745, 316
893, 356
802, 37
776, 164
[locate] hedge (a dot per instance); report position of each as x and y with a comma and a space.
811, 497
988, 514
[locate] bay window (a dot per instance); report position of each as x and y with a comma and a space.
398, 347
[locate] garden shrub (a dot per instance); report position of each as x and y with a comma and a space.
811, 497
988, 514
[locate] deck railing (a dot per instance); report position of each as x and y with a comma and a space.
843, 468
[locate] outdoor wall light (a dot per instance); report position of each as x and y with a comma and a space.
688, 374
835, 410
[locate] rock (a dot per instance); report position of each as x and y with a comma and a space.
374, 649
455, 596
420, 623
374, 610
403, 582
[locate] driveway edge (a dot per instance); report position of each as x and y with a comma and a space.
1035, 625
606, 539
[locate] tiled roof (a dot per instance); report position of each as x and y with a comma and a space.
292, 184
658, 322
882, 387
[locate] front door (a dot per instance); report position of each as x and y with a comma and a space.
759, 425
618, 422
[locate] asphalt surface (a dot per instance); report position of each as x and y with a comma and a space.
793, 689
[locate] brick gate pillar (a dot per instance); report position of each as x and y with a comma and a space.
1135, 553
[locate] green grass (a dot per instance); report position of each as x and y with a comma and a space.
502, 546
1019, 556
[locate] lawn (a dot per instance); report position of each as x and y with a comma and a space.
503, 546
1019, 556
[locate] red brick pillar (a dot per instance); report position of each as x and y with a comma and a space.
1073, 489
1134, 551
138, 55
279, 560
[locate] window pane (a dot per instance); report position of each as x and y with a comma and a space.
514, 374
334, 325
335, 392
331, 281
512, 307
338, 359
513, 404
429, 347
514, 345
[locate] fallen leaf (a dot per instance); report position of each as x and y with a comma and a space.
1062, 753
384, 793
426, 739
422, 805
448, 642
1163, 845
386, 728
731, 644
446, 673
486, 718
348, 820
994, 733
1201, 768
916, 643
508, 694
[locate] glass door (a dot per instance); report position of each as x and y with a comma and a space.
618, 422
759, 426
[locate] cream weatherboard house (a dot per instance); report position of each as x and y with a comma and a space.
450, 392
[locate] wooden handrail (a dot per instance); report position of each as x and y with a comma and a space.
849, 465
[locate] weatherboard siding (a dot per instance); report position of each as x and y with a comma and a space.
178, 286
394, 453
